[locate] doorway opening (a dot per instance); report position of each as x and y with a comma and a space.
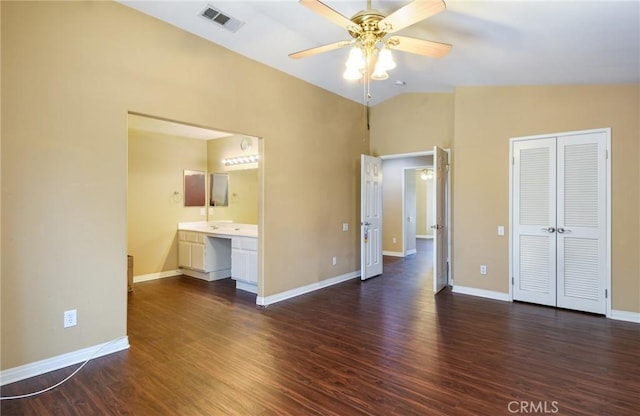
170, 165
399, 214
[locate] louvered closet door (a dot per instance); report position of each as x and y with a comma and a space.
534, 218
581, 223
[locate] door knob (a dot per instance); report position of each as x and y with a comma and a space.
562, 230
550, 229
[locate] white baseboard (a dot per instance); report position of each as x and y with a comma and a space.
412, 251
247, 287
483, 293
278, 297
393, 253
37, 368
625, 316
210, 276
154, 276
426, 236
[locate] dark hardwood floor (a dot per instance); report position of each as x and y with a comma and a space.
385, 346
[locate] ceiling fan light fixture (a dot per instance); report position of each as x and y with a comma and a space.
352, 73
385, 59
356, 58
379, 73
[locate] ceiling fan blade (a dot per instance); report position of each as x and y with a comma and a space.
410, 14
320, 49
419, 46
328, 13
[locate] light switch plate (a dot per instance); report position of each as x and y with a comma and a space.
345, 226
500, 229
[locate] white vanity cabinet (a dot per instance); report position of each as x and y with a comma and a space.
204, 257
191, 250
244, 264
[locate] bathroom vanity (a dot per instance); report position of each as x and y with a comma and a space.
217, 250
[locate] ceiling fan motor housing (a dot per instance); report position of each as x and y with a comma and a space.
368, 30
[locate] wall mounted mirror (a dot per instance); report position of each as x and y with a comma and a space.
194, 188
219, 190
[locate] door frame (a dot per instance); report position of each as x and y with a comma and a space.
607, 132
447, 201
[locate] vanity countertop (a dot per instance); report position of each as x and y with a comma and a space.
223, 229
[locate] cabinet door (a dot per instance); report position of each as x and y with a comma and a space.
245, 265
239, 264
251, 266
184, 254
197, 256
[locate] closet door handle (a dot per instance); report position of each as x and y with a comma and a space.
550, 229
562, 230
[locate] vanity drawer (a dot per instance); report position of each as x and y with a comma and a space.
191, 236
245, 243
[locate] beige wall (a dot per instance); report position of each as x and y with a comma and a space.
155, 173
485, 120
243, 183
392, 215
71, 71
412, 123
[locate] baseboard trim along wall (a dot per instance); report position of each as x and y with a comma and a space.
625, 316
411, 252
615, 314
278, 297
37, 368
483, 293
154, 276
393, 253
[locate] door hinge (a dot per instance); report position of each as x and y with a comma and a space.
513, 281
513, 160
606, 293
606, 154
446, 167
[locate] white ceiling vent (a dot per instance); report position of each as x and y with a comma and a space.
216, 16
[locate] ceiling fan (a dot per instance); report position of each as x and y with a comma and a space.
370, 56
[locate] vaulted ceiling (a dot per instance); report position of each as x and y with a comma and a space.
518, 42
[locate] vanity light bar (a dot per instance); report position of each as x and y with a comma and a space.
240, 160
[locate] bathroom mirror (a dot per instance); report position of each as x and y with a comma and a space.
194, 188
219, 190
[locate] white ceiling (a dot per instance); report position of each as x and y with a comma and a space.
518, 42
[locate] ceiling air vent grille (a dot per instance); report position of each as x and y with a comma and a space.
216, 16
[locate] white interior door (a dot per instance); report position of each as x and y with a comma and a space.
440, 226
581, 232
534, 221
370, 216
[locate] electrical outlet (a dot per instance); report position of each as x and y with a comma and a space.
345, 226
334, 261
70, 318
483, 269
394, 240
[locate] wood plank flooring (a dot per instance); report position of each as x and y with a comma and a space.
385, 346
